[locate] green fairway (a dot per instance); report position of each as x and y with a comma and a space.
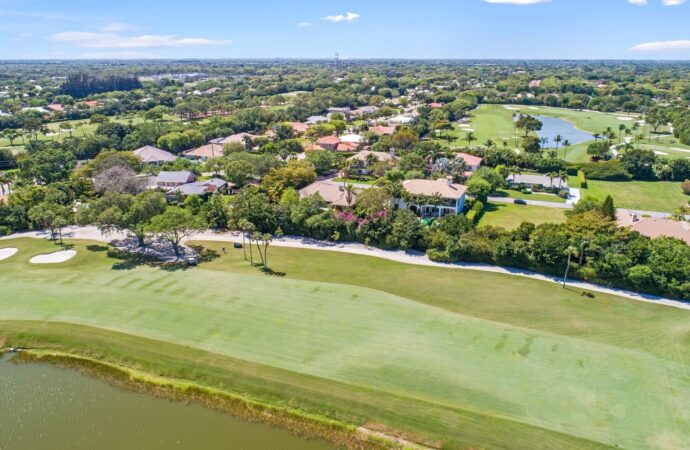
510, 216
663, 196
452, 340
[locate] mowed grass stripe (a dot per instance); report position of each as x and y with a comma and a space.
385, 342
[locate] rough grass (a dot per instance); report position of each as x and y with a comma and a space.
458, 341
510, 216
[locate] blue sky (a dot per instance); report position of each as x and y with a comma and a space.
516, 29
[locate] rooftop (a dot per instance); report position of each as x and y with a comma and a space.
442, 187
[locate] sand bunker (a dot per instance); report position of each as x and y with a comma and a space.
656, 152
625, 118
53, 258
7, 252
511, 108
680, 149
534, 108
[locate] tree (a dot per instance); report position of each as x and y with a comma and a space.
237, 172
50, 215
295, 174
216, 211
48, 165
608, 209
174, 225
558, 139
349, 194
119, 179
528, 124
124, 213
470, 137
640, 163
598, 150
566, 146
11, 135
406, 232
479, 188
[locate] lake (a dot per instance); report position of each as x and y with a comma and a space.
42, 406
553, 126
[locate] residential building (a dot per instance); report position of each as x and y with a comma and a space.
329, 142
174, 179
365, 110
472, 163
333, 194
382, 130
204, 152
152, 155
361, 160
202, 187
299, 127
420, 195
238, 138
654, 227
537, 181
400, 120
313, 120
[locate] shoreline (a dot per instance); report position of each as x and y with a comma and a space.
297, 422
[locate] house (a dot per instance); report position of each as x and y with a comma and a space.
435, 105
400, 120
299, 127
361, 160
204, 152
328, 142
347, 112
346, 147
421, 192
535, 83
365, 110
202, 187
56, 107
382, 130
333, 194
152, 155
174, 179
654, 227
313, 120
537, 181
472, 163
238, 138
352, 138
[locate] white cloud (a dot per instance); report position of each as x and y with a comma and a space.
347, 17
673, 2
117, 26
304, 24
637, 2
115, 55
662, 46
517, 2
85, 39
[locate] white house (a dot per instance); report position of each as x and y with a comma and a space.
420, 192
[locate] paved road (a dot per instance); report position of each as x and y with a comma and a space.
410, 257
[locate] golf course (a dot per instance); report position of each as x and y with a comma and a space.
439, 356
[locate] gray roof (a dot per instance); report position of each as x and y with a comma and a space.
317, 119
150, 154
200, 187
180, 176
539, 180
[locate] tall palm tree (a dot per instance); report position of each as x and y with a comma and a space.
621, 130
558, 139
544, 141
551, 176
489, 143
349, 194
562, 176
470, 137
566, 145
596, 136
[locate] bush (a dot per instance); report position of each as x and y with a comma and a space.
606, 171
685, 186
475, 212
581, 179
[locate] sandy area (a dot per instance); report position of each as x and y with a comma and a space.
656, 152
7, 252
511, 108
534, 108
681, 149
625, 118
464, 125
53, 258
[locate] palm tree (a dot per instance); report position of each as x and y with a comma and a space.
551, 176
469, 137
514, 172
621, 129
349, 194
596, 136
558, 139
544, 141
566, 145
638, 139
489, 143
562, 176
515, 115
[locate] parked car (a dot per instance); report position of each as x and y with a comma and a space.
519, 201
192, 261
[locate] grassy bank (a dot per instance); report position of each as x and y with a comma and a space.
326, 338
663, 196
510, 216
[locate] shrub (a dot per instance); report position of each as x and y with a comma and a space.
475, 212
685, 186
606, 171
582, 179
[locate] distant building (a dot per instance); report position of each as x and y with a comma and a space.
152, 155
361, 160
400, 120
472, 163
299, 127
382, 130
539, 181
174, 179
365, 110
420, 192
313, 120
202, 187
328, 142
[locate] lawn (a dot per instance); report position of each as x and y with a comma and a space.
442, 353
542, 197
663, 196
510, 216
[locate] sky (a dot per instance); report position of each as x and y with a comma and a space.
419, 29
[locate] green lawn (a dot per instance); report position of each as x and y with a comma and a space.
510, 216
542, 197
662, 196
442, 353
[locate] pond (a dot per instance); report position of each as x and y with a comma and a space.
553, 126
42, 406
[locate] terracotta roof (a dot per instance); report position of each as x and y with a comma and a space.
239, 137
151, 154
333, 194
431, 187
435, 105
655, 228
382, 130
470, 160
311, 147
328, 140
299, 127
56, 107
205, 151
346, 147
